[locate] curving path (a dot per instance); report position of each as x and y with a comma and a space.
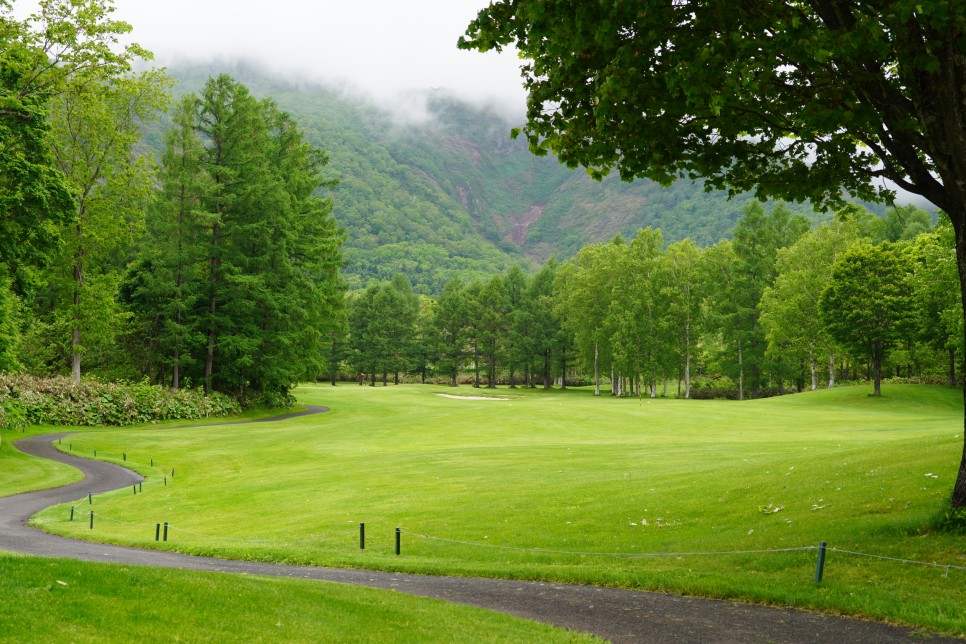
615, 614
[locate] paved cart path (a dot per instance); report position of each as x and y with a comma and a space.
615, 614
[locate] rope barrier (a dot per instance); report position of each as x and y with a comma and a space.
106, 518
607, 554
948, 567
310, 537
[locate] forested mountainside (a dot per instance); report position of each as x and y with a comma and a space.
450, 193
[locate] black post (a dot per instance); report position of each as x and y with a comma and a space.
362, 536
92, 519
124, 456
165, 530
140, 486
135, 488
71, 513
820, 566
90, 498
157, 532
398, 538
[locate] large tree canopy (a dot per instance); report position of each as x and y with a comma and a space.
799, 100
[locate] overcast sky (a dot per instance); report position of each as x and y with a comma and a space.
379, 46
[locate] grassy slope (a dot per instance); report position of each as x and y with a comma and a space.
566, 472
20, 474
70, 601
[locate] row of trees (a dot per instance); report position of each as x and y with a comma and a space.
216, 267
779, 303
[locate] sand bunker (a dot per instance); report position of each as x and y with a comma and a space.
471, 397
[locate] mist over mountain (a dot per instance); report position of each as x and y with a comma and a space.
438, 189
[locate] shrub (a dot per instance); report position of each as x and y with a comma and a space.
28, 400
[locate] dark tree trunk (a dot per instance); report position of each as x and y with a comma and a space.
958, 499
546, 369
563, 370
212, 309
476, 365
877, 354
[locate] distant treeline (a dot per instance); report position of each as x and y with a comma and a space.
782, 307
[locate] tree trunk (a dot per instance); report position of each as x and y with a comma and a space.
75, 357
741, 376
476, 365
958, 499
687, 376
952, 367
877, 354
781, 378
811, 359
212, 309
563, 368
831, 369
596, 369
546, 369
175, 372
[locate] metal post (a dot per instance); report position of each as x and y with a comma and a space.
398, 538
820, 566
165, 530
71, 513
362, 536
157, 532
92, 519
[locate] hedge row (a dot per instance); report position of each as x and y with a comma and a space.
27, 400
732, 393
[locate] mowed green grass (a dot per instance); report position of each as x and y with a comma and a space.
562, 486
51, 600
19, 474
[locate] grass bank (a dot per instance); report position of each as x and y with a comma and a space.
72, 601
562, 486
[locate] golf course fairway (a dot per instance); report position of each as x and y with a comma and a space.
713, 498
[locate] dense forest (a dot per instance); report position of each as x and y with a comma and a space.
238, 234
782, 307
